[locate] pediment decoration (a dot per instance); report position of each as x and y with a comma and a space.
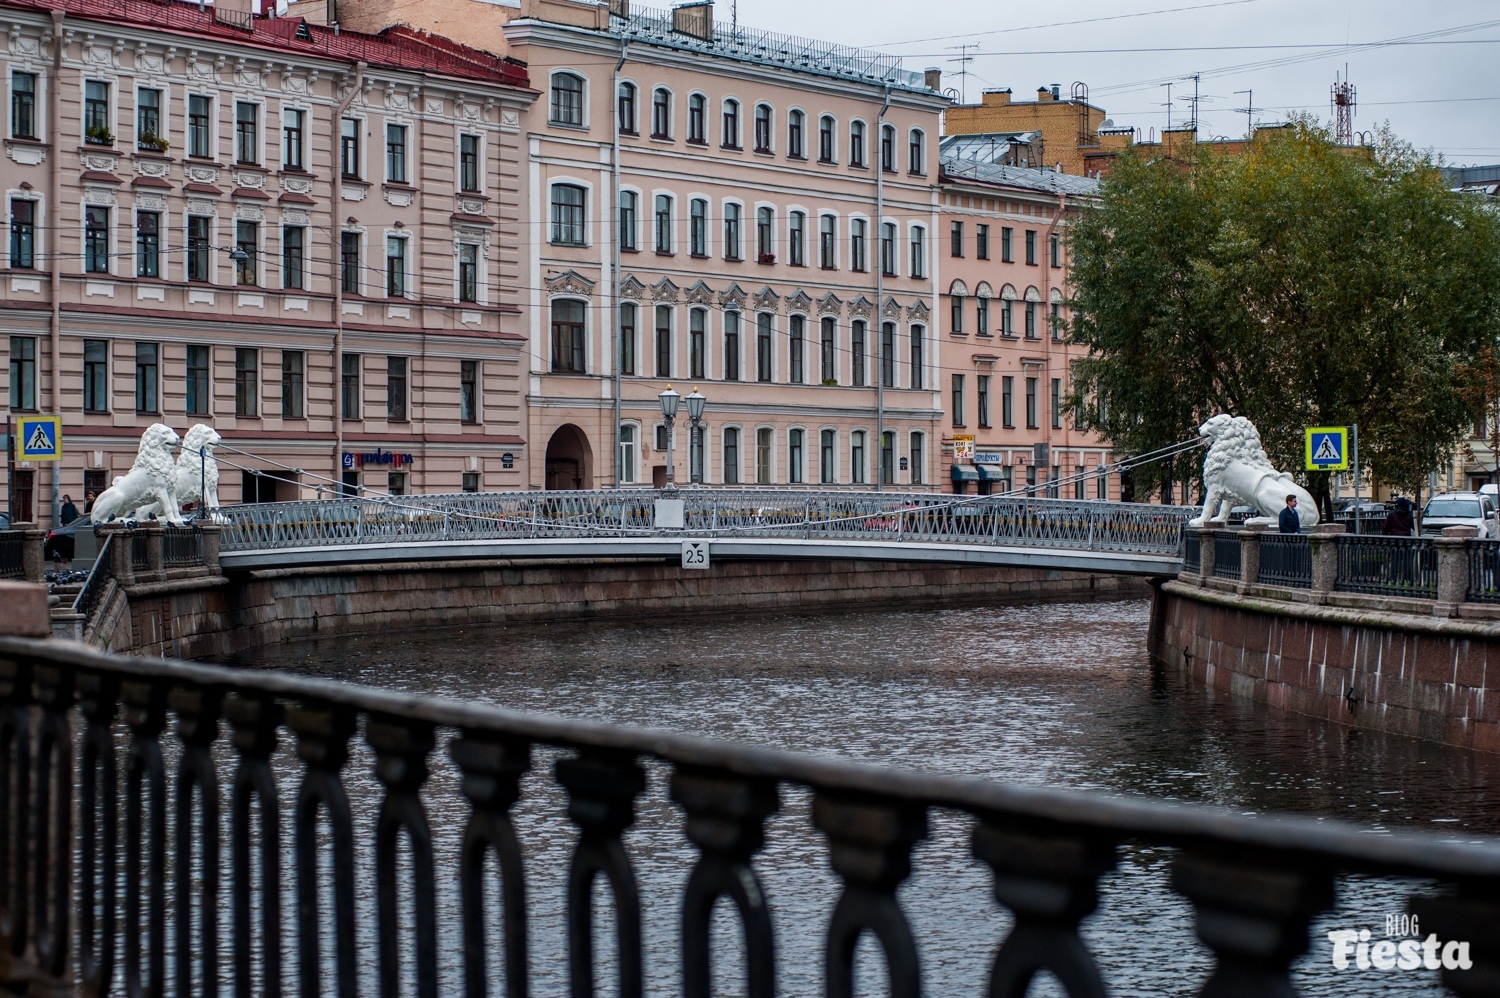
892, 309
830, 304
632, 288
768, 300
664, 290
570, 282
984, 290
860, 308
700, 294
732, 297
799, 301
919, 310
1032, 294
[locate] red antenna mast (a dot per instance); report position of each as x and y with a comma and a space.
1342, 101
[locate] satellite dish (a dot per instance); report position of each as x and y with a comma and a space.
1108, 123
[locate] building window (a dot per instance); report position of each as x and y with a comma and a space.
858, 242
956, 239
857, 457
1031, 247
1005, 244
797, 349
731, 346
1101, 485
1007, 318
395, 389
147, 244
982, 384
96, 113
827, 241
567, 99
888, 148
246, 382
293, 384
23, 372
663, 223
958, 400
468, 391
1057, 403
349, 386
470, 481
629, 202
827, 344
698, 227
626, 108
292, 131
663, 341
857, 143
197, 248
246, 132
1007, 401
794, 457
468, 163
888, 249
627, 454
1054, 250
918, 355
23, 234
293, 257
916, 152
567, 337
395, 483
763, 456
468, 272
627, 338
567, 215
982, 316
200, 126
350, 263
918, 459
697, 121
148, 132
956, 308
828, 457
918, 252
888, 458
697, 348
731, 456
732, 231
349, 148
1031, 422
96, 375
96, 240
147, 369
982, 241
23, 105
826, 150
395, 267
857, 353
796, 123
246, 240
765, 235
395, 154
731, 129
763, 367
661, 114
763, 128
1031, 320
888, 354
1054, 320
796, 239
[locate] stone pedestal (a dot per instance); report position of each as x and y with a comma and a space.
1323, 540
210, 543
1205, 552
155, 558
23, 610
1250, 555
119, 553
1453, 569
32, 539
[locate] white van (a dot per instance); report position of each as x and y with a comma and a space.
1461, 509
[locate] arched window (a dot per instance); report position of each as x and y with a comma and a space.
627, 338
567, 336
828, 343
731, 456
763, 437
826, 142
856, 143
765, 235
859, 244
828, 233
763, 366
763, 128
567, 215
828, 457
697, 343
732, 231
794, 456
731, 346
698, 119
796, 349
664, 341
731, 129
888, 148
796, 239
1008, 311
629, 207
566, 106
857, 352
918, 355
663, 223
857, 457
796, 141
627, 453
918, 251
916, 152
698, 227
626, 99
982, 296
958, 291
888, 249
918, 457
661, 113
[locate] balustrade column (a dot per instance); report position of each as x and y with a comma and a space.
52, 834
1250, 555
121, 557
1206, 553
1452, 569
33, 565
1323, 546
15, 799
197, 710
210, 534
98, 815
255, 720
145, 959
401, 749
155, 556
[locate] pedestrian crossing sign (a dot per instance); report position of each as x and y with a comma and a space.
1327, 448
39, 438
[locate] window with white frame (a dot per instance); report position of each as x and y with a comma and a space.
663, 226
567, 215
566, 105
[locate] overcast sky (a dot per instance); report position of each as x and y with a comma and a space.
1437, 96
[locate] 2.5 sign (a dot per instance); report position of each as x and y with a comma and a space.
695, 554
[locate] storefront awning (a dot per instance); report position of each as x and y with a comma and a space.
965, 473
991, 472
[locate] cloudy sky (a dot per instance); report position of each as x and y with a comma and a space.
1431, 85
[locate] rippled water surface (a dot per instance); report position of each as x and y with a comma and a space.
1057, 695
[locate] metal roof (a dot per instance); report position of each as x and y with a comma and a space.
1019, 176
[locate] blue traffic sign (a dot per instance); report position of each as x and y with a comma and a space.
1327, 448
39, 438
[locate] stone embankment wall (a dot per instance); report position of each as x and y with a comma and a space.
226, 616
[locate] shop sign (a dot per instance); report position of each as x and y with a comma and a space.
379, 458
989, 458
963, 447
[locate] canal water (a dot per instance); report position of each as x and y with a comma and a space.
1057, 695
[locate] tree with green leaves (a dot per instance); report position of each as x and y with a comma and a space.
1300, 283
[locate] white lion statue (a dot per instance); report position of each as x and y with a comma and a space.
152, 479
197, 474
1237, 467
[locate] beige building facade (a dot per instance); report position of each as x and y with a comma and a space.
300, 236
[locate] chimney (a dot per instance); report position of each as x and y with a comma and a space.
1043, 94
1057, 91
933, 78
995, 98
695, 20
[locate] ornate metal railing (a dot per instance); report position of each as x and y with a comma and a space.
1285, 560
1484, 571
140, 551
1387, 566
140, 911
12, 554
997, 520
87, 600
1226, 554
182, 547
1192, 548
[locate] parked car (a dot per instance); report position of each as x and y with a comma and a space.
76, 541
4, 521
1461, 509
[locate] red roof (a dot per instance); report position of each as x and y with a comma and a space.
394, 48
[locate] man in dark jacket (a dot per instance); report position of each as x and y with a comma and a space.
1399, 522
1289, 521
69, 512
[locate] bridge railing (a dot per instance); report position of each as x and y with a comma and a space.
96, 897
996, 520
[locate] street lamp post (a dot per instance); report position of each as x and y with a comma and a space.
695, 403
669, 400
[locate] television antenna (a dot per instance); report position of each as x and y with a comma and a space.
1248, 111
1342, 101
963, 59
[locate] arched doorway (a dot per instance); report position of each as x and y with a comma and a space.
570, 463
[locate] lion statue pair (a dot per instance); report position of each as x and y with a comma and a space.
157, 485
1237, 467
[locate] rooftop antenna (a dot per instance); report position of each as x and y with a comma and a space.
1342, 99
1248, 111
1194, 101
1168, 106
963, 59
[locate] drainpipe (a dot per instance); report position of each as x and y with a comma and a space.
54, 174
614, 252
880, 299
1062, 204
338, 275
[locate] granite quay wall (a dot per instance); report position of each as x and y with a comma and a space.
216, 618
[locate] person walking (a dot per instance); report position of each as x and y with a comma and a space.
1289, 522
1399, 522
69, 512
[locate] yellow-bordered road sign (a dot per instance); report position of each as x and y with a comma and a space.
1327, 448
38, 438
